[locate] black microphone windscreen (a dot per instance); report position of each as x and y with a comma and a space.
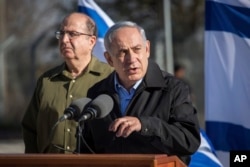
103, 104
78, 106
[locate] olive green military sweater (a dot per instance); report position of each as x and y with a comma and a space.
54, 92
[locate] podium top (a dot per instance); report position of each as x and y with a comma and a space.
90, 160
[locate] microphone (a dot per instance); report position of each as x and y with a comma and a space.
74, 110
100, 107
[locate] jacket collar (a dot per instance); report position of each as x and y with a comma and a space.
152, 79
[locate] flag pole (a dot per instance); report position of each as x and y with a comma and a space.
168, 36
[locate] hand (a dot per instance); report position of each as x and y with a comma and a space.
125, 126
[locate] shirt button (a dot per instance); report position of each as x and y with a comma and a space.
71, 96
73, 81
68, 130
146, 130
68, 147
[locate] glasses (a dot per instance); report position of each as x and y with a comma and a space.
71, 34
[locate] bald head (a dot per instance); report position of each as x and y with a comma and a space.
80, 20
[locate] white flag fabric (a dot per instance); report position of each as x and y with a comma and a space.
227, 76
102, 20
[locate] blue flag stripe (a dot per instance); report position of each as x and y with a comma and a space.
101, 24
223, 17
226, 136
201, 160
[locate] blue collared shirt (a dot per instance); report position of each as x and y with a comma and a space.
124, 95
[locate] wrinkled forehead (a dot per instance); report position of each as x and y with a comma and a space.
131, 34
125, 38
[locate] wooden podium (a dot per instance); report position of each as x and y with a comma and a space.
89, 160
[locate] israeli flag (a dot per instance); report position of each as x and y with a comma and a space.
227, 76
102, 20
205, 156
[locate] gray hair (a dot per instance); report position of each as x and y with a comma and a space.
109, 35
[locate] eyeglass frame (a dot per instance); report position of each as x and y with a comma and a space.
60, 33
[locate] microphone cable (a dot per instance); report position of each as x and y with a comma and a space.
51, 136
85, 143
62, 149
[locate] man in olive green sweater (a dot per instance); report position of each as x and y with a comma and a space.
58, 87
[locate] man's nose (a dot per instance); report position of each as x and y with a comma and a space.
65, 37
131, 56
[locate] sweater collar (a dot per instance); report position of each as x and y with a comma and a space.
92, 68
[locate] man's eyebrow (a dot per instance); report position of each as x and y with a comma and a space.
136, 46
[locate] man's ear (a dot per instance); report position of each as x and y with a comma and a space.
108, 58
92, 41
148, 48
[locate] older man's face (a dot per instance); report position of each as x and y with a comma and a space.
76, 44
129, 55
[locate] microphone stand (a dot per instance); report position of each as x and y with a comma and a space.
80, 138
79, 129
